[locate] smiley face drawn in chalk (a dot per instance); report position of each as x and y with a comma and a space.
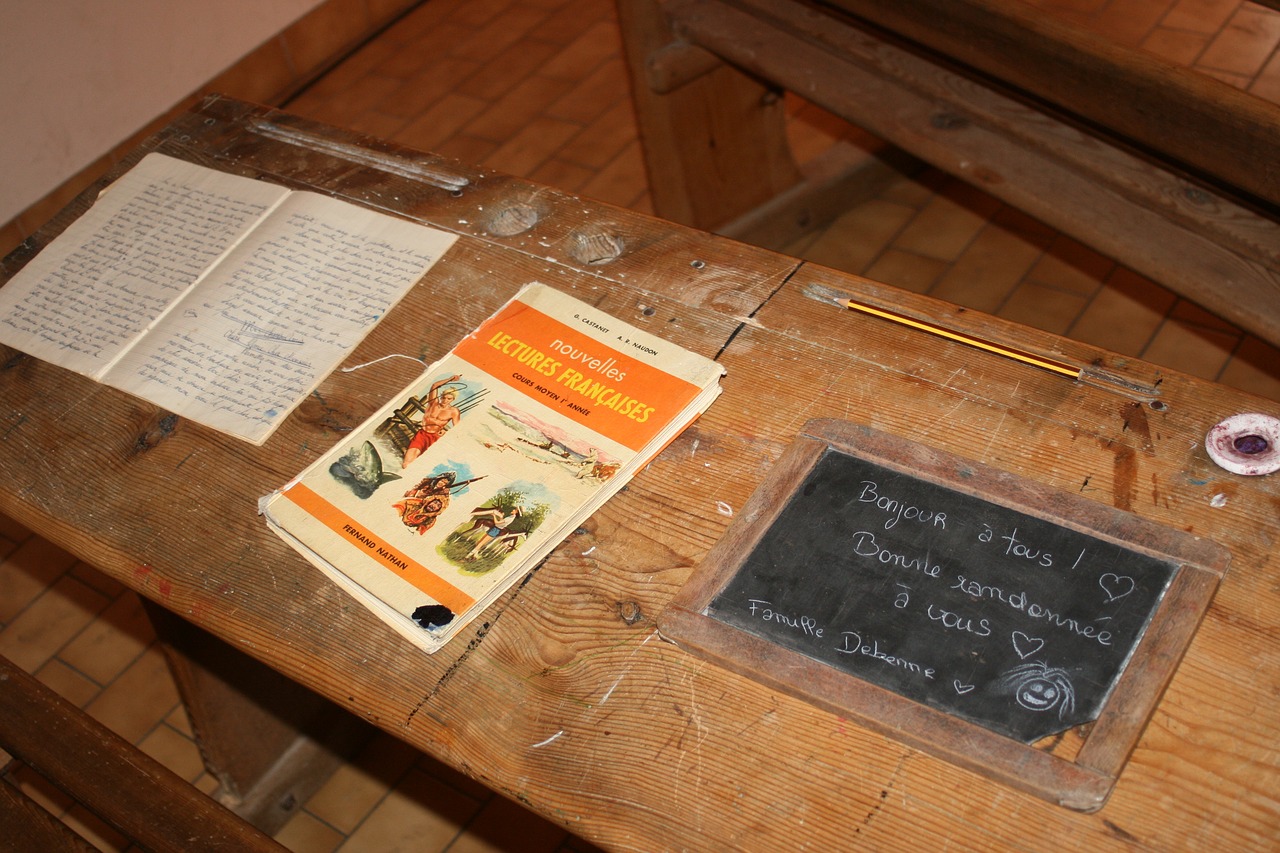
1116, 586
1038, 687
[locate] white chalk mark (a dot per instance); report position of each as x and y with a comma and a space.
383, 358
609, 692
724, 509
548, 740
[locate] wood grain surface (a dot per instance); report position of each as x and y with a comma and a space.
563, 695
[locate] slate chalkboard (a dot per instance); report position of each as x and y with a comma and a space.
961, 609
1010, 621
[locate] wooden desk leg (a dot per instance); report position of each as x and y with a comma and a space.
714, 138
269, 742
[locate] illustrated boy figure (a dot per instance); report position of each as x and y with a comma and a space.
438, 415
500, 527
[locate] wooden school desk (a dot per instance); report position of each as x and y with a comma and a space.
563, 695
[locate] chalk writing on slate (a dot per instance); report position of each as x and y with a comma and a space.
1009, 621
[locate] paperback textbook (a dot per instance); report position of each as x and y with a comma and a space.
475, 472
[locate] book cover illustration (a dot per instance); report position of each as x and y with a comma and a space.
475, 472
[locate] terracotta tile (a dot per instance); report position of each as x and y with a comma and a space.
948, 223
1072, 266
467, 148
622, 182
517, 109
1254, 367
501, 36
89, 576
407, 61
367, 60
1192, 314
68, 683
578, 17
1125, 314
1245, 44
341, 108
358, 786
990, 267
305, 834
915, 191
139, 699
1177, 46
1041, 307
415, 94
562, 175
602, 140
1200, 16
811, 130
855, 239
1190, 348
179, 721
58, 614
1128, 22
419, 814
597, 44
1267, 84
532, 146
495, 79
443, 119
112, 642
503, 825
478, 13
603, 95
375, 124
442, 772
175, 751
27, 571
906, 270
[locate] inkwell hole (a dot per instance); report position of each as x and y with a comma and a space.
1251, 445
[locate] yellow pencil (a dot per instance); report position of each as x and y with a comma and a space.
1060, 367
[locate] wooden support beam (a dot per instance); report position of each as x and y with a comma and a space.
715, 142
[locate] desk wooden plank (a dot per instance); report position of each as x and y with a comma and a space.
563, 696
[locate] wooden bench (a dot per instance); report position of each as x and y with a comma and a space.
1168, 171
107, 775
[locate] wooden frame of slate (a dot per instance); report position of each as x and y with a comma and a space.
1016, 630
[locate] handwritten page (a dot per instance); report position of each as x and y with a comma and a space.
284, 309
94, 290
221, 298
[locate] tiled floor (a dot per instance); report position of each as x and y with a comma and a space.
537, 88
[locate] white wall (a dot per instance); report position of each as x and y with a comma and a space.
77, 77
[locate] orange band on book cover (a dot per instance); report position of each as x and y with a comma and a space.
394, 559
600, 386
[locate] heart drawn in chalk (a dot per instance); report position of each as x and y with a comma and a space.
1026, 646
961, 688
1116, 586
